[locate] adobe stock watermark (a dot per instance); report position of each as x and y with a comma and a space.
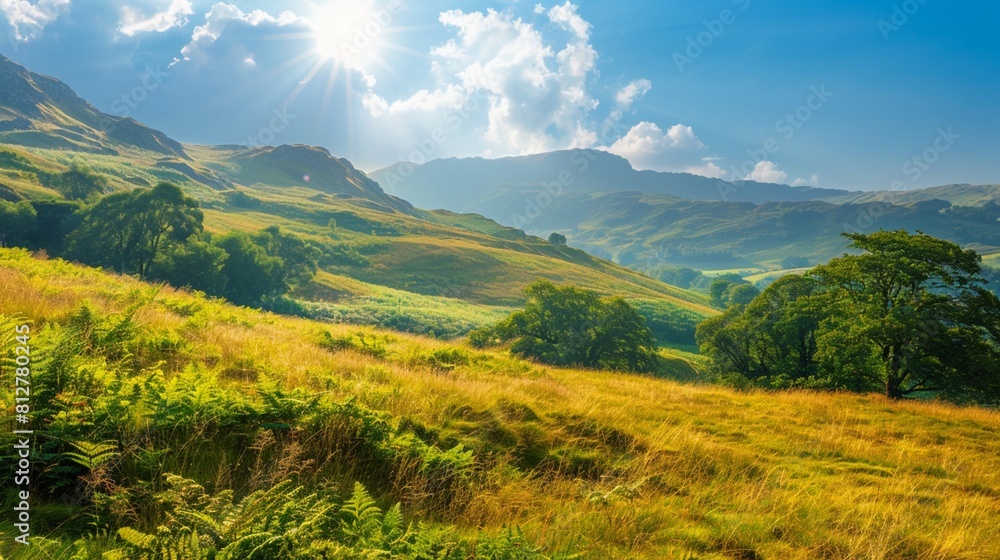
150, 80
280, 119
786, 127
901, 14
714, 28
366, 34
913, 168
430, 146
22, 366
580, 161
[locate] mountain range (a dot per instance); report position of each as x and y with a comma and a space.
384, 261
651, 219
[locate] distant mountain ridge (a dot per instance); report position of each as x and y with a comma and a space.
382, 261
467, 183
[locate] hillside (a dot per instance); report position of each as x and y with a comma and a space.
383, 261
958, 195
475, 184
43, 112
655, 230
585, 463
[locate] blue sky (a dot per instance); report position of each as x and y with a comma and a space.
850, 94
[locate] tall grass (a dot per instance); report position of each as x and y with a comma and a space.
570, 462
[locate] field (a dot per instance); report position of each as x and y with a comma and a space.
587, 464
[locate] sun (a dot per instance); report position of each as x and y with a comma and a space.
349, 31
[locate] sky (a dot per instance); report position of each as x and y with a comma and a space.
853, 94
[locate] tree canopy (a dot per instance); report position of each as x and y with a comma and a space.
908, 316
128, 230
79, 183
16, 220
564, 325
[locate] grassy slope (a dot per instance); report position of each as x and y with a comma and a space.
436, 254
701, 472
633, 228
959, 195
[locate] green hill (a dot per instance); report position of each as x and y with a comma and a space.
232, 423
454, 272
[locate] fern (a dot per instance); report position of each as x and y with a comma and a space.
92, 455
361, 518
138, 540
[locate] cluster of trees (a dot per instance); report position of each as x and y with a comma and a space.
564, 325
910, 316
731, 289
158, 234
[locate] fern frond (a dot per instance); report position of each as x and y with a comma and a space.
143, 541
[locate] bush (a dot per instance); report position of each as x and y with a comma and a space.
563, 325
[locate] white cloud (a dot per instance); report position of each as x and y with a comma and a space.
632, 91
517, 90
767, 172
220, 16
678, 149
28, 19
812, 181
174, 15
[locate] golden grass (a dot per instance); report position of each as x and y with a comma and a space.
628, 466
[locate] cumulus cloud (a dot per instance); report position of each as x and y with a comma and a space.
222, 15
633, 91
767, 172
28, 19
812, 181
174, 15
522, 90
677, 149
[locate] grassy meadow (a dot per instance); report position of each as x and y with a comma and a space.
585, 464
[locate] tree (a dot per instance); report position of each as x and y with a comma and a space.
298, 257
730, 290
564, 325
728, 342
194, 264
908, 316
557, 239
251, 274
79, 183
915, 310
55, 220
16, 220
127, 231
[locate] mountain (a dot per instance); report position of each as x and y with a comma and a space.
383, 261
958, 195
471, 184
313, 167
43, 112
648, 220
653, 230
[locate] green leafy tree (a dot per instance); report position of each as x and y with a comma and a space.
297, 256
55, 219
251, 274
730, 290
16, 220
194, 264
79, 183
908, 316
726, 339
557, 239
915, 306
127, 231
564, 325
